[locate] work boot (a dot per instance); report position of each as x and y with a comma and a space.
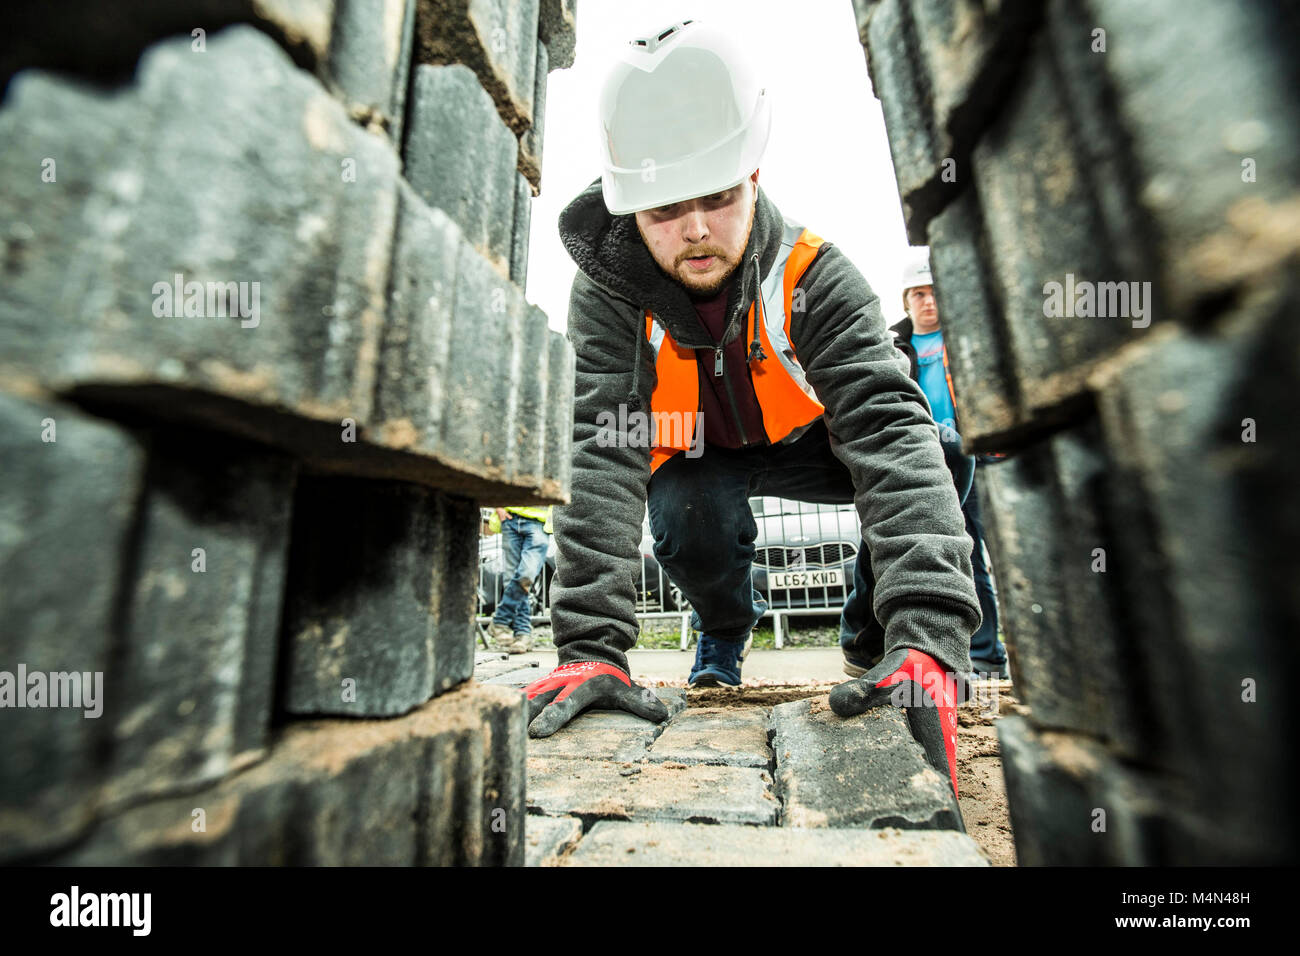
717, 663
522, 643
989, 670
500, 638
856, 666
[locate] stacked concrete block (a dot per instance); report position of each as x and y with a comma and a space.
557, 27
382, 587
939, 67
1144, 158
510, 46
173, 552
461, 157
440, 786
286, 356
192, 678
497, 39
66, 524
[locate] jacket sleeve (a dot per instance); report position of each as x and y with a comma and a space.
598, 534
881, 429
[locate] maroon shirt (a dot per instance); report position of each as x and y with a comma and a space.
719, 418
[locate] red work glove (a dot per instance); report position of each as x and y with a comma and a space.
905, 677
567, 691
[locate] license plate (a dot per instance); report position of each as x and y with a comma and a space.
806, 579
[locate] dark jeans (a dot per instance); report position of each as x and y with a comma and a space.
984, 643
704, 529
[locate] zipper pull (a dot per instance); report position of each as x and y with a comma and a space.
717, 362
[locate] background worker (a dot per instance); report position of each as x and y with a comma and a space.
525, 539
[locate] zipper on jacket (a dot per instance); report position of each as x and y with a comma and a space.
719, 371
735, 409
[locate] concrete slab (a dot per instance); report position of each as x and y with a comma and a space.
864, 771
545, 838
612, 843
650, 791
729, 736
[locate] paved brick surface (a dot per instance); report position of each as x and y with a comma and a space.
545, 838
697, 790
611, 843
648, 791
732, 737
599, 734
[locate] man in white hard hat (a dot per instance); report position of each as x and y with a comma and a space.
920, 337
760, 356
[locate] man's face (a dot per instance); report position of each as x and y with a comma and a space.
921, 307
699, 242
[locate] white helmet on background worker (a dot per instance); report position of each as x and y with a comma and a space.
916, 274
682, 115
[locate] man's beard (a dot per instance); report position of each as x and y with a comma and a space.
715, 286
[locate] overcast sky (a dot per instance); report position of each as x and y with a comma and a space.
827, 164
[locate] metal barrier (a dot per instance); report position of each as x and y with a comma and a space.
803, 566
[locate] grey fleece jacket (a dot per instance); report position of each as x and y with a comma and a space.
877, 417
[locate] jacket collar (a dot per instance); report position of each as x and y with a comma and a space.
609, 249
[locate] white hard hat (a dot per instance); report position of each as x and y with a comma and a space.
917, 273
682, 115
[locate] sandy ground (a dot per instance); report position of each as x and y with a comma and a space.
982, 791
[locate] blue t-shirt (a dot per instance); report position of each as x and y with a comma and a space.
934, 382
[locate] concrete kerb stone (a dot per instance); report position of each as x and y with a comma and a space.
864, 771
656, 843
941, 69
58, 605
442, 786
557, 22
530, 142
193, 681
497, 39
380, 597
460, 157
1027, 160
987, 394
1191, 132
370, 58
520, 235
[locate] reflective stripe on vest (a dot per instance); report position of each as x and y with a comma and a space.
785, 398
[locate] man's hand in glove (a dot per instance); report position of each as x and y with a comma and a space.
906, 677
567, 691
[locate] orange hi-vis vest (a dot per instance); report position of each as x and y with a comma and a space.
785, 398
